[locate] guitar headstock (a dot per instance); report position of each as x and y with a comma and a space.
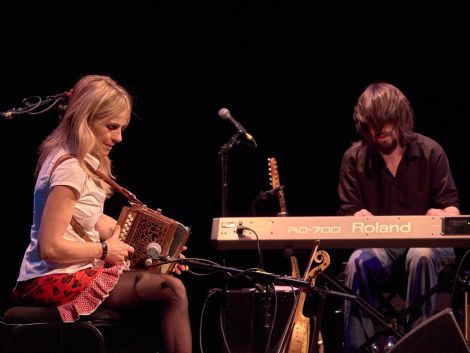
274, 173
276, 185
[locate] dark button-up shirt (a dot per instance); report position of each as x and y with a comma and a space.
423, 180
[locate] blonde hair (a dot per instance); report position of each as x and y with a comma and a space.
92, 99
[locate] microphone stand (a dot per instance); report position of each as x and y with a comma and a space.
263, 277
364, 306
223, 153
31, 107
272, 278
265, 283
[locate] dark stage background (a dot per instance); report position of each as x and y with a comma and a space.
289, 71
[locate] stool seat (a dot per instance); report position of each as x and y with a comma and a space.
38, 314
22, 321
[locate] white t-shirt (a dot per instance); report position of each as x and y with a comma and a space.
88, 209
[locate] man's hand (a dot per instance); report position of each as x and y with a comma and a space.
448, 211
363, 213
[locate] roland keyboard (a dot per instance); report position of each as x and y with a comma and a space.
234, 233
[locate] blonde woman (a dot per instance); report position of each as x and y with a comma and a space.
62, 268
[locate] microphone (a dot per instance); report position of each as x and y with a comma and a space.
272, 192
224, 113
9, 114
153, 252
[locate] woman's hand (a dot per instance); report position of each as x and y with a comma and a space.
179, 268
118, 251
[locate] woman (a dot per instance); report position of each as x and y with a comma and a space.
77, 273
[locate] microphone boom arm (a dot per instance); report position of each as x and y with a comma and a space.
31, 105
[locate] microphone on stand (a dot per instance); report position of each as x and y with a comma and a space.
272, 192
153, 252
9, 114
225, 114
32, 105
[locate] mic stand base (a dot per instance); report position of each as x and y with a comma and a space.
345, 293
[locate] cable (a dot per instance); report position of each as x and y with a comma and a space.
457, 278
222, 326
209, 295
272, 291
240, 229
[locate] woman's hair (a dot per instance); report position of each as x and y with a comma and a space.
92, 99
383, 103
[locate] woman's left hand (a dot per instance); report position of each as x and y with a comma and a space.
179, 268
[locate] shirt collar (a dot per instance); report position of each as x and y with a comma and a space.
94, 162
412, 151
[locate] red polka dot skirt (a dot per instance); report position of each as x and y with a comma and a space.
74, 294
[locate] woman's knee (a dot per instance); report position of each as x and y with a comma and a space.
176, 286
161, 287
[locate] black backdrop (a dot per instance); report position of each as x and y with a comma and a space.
289, 71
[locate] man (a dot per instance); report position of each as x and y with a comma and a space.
392, 171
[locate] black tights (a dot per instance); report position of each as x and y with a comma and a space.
140, 288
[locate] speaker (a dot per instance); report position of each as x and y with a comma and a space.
438, 334
247, 317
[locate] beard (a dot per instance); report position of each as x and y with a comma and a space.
386, 147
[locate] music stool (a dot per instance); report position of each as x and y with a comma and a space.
393, 303
391, 300
25, 323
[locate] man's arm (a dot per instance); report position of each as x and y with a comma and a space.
349, 193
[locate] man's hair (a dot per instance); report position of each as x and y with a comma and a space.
383, 103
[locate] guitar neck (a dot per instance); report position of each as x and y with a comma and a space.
276, 184
282, 203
